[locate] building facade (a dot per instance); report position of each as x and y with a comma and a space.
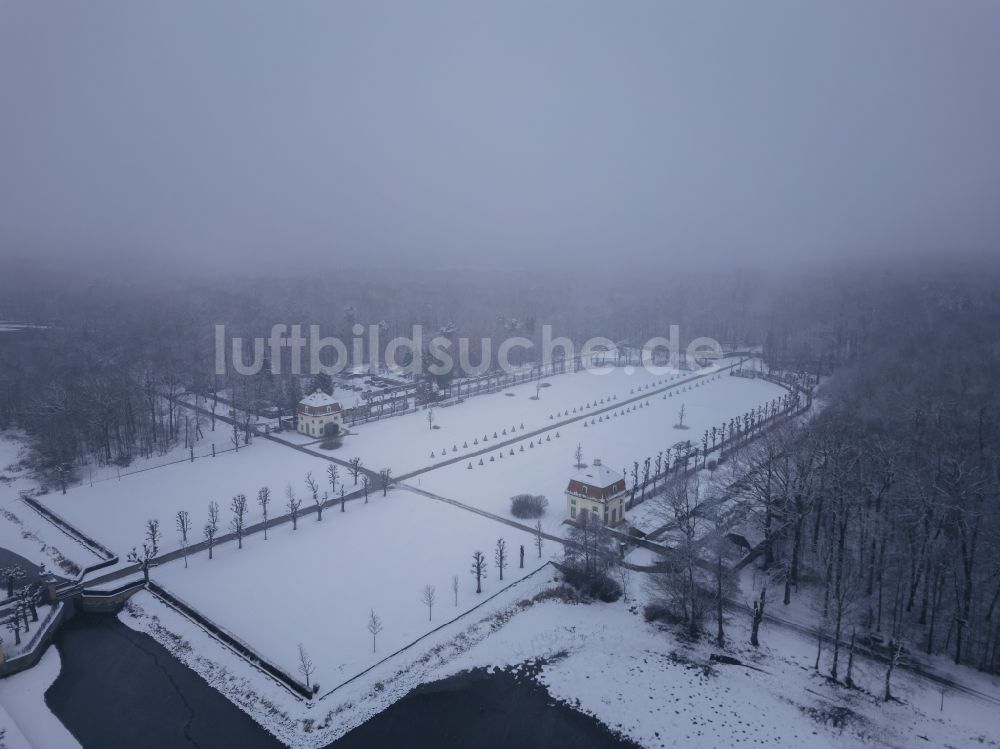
319, 415
598, 491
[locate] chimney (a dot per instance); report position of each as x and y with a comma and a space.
597, 461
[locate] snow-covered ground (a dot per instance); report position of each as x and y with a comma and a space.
95, 474
405, 443
22, 530
115, 512
806, 606
644, 684
11, 648
28, 722
317, 584
618, 441
660, 691
639, 679
316, 724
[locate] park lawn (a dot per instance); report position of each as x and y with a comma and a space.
115, 512
405, 443
618, 441
316, 585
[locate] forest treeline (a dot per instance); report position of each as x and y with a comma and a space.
96, 383
881, 510
889, 499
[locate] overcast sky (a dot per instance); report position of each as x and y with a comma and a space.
475, 133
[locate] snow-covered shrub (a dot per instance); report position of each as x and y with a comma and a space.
528, 505
657, 612
593, 584
561, 592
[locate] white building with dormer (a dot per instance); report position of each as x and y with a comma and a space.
598, 491
319, 415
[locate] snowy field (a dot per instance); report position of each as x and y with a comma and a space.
617, 440
662, 692
313, 725
92, 474
405, 443
316, 585
115, 512
22, 530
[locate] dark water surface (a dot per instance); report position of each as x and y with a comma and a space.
483, 711
120, 688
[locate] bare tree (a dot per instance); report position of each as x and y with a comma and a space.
538, 538
313, 487
212, 526
183, 520
591, 551
578, 455
355, 468
645, 480
306, 667
374, 626
843, 600
332, 475
153, 534
719, 546
14, 625
479, 569
454, 587
680, 418
757, 616
21, 612
30, 598
264, 499
366, 485
386, 477
430, 417
624, 573
849, 678
500, 556
427, 596
294, 503
679, 587
635, 481
150, 549
238, 522
896, 653
11, 575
